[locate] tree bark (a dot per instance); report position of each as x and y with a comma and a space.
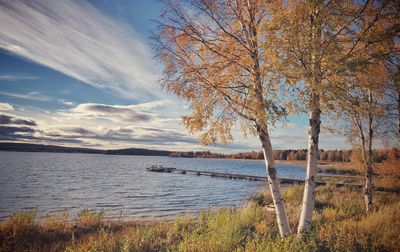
369, 171
312, 158
283, 223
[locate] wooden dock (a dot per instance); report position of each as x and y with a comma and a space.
224, 175
156, 168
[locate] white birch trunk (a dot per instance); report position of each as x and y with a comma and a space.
367, 161
312, 158
274, 185
368, 189
313, 129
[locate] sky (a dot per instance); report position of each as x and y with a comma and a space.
82, 73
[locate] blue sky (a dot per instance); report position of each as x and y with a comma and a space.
84, 73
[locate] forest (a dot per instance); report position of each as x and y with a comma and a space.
323, 155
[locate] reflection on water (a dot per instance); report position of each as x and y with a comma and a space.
52, 182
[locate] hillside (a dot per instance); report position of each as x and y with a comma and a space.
24, 147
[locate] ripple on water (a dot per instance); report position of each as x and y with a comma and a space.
51, 182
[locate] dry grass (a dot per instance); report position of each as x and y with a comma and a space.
339, 224
344, 168
389, 173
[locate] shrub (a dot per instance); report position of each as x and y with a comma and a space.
17, 231
89, 219
261, 199
56, 222
19, 222
389, 171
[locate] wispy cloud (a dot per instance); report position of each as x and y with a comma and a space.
75, 38
36, 96
66, 102
6, 106
154, 104
17, 78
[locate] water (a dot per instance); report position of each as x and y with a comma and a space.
54, 182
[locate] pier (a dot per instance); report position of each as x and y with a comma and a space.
158, 168
155, 168
209, 173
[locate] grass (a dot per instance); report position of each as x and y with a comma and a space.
339, 224
344, 179
343, 168
340, 168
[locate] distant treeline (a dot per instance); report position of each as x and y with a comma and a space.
138, 152
330, 155
326, 155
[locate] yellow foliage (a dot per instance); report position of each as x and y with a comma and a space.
221, 70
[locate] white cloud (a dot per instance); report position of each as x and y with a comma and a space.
128, 114
78, 40
36, 96
6, 106
17, 78
154, 104
117, 113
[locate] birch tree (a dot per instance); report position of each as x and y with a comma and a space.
315, 44
364, 109
214, 57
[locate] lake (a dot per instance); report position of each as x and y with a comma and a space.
54, 182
